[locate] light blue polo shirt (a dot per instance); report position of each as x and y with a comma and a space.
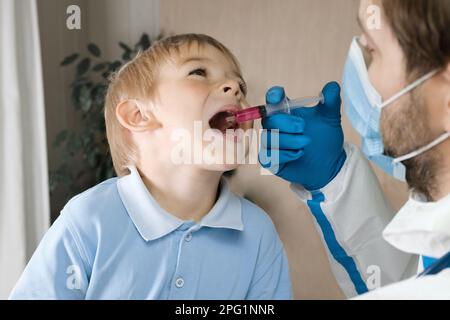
114, 241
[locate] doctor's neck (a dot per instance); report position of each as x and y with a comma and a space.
443, 177
429, 173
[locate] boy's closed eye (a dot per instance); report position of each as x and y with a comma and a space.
199, 72
202, 72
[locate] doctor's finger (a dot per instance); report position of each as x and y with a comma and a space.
284, 123
285, 141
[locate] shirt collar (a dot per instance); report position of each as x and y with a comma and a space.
421, 227
153, 222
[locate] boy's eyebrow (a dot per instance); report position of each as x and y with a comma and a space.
193, 59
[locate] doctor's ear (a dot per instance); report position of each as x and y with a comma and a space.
135, 117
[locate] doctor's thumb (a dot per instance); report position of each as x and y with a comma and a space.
332, 99
275, 95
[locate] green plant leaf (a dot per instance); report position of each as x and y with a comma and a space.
92, 159
76, 144
76, 93
78, 81
145, 41
126, 56
106, 75
69, 59
125, 47
83, 66
98, 94
85, 98
99, 66
94, 50
60, 138
87, 139
86, 106
115, 65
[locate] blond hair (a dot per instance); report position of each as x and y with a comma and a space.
136, 80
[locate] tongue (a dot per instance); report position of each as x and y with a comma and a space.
220, 121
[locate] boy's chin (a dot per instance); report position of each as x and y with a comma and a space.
220, 167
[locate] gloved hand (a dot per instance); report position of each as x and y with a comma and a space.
310, 140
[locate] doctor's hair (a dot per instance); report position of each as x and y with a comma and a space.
136, 82
422, 28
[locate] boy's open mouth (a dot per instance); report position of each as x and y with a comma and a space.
223, 121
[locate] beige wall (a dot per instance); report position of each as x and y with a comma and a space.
300, 44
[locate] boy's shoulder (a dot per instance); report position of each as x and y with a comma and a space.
100, 203
254, 218
96, 195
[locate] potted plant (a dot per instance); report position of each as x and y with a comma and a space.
85, 154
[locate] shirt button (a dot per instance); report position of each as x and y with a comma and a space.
188, 237
179, 283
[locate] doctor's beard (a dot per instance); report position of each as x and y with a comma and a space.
405, 128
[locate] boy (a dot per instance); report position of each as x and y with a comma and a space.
163, 230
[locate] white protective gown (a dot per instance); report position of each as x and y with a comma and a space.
367, 247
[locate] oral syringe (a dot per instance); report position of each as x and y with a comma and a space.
285, 106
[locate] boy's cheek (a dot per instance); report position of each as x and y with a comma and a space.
183, 112
176, 116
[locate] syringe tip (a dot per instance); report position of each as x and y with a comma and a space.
249, 114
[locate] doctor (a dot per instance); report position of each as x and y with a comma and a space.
396, 89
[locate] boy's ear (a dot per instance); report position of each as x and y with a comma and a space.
133, 117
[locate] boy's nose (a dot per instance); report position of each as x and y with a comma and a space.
231, 87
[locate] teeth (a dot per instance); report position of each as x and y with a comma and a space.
231, 121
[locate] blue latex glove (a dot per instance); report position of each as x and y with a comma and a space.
310, 140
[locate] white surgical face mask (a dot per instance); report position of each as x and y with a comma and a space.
363, 105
